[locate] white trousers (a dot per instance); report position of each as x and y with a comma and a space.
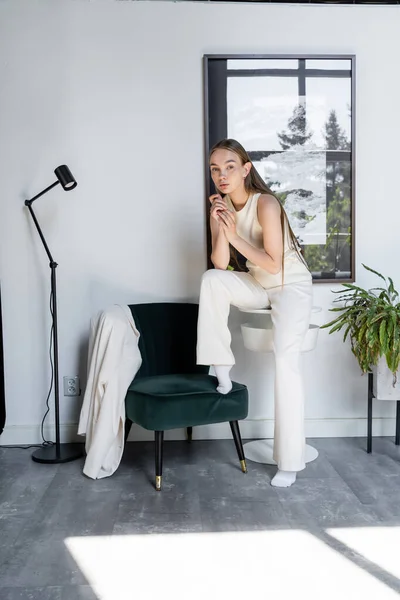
291, 310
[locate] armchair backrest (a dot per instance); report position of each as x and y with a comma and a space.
168, 337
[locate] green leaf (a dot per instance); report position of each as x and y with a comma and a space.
351, 286
375, 272
392, 292
361, 333
390, 328
377, 317
346, 333
382, 333
337, 327
389, 360
391, 289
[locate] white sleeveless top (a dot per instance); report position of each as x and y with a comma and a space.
249, 228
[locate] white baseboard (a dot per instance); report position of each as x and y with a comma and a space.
250, 429
30, 434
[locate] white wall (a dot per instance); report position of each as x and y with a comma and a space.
114, 90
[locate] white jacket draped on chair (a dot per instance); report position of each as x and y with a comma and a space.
113, 361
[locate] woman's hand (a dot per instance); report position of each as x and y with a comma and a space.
220, 255
217, 206
227, 223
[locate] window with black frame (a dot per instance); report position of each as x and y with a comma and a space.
295, 117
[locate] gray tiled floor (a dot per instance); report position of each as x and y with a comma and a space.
204, 491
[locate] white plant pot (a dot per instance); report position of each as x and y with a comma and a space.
259, 338
383, 382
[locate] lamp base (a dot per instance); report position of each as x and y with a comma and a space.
261, 451
66, 453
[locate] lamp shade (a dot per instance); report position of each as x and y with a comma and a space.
65, 177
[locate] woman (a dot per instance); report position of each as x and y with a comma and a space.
247, 217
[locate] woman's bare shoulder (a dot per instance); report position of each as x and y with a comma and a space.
268, 202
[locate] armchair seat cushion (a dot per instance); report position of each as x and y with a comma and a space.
166, 402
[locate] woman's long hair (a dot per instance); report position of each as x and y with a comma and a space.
253, 184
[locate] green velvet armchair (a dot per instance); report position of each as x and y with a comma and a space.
170, 391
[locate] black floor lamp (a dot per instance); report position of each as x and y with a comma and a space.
55, 453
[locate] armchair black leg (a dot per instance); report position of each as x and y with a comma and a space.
397, 439
238, 443
128, 425
159, 439
189, 433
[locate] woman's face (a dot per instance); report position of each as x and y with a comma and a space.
227, 171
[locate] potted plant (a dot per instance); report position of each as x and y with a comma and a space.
371, 319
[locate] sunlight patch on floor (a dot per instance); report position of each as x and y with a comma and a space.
380, 545
266, 564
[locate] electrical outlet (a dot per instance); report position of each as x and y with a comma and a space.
71, 386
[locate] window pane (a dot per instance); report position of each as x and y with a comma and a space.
319, 63
259, 108
298, 176
263, 63
329, 105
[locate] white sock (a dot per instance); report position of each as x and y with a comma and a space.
284, 479
224, 380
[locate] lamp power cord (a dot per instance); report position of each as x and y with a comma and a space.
45, 442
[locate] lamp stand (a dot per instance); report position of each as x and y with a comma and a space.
57, 453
